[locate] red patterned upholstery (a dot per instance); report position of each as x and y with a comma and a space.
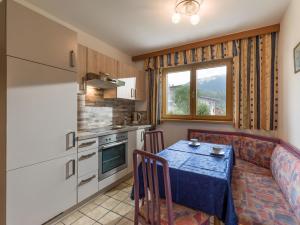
259, 198
256, 151
286, 171
244, 166
182, 215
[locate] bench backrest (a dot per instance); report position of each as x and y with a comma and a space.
285, 168
251, 148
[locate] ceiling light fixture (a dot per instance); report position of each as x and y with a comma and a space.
188, 8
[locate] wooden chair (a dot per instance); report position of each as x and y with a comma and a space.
154, 210
154, 141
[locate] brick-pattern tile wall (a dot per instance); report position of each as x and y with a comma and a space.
94, 111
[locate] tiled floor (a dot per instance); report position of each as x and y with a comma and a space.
112, 208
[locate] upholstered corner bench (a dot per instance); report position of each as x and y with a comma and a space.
266, 177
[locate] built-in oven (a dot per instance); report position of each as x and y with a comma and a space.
113, 150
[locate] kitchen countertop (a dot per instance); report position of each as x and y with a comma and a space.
83, 135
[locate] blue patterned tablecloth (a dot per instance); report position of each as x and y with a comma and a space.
200, 180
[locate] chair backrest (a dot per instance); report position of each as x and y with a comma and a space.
147, 170
154, 141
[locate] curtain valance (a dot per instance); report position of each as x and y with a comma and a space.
255, 76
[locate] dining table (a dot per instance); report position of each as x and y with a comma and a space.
199, 179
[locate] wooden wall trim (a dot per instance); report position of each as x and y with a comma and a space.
3, 112
212, 41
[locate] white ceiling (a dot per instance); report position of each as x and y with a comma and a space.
140, 26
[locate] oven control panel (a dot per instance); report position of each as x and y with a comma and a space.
103, 140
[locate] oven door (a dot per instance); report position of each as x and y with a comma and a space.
112, 158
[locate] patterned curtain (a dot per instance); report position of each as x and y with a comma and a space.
154, 101
255, 78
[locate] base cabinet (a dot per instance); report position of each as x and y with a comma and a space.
87, 185
131, 147
39, 192
140, 138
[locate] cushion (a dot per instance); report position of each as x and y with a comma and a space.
182, 215
256, 151
258, 200
218, 139
286, 171
244, 166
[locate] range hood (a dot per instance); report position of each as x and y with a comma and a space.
102, 81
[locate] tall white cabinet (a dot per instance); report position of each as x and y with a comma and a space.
41, 157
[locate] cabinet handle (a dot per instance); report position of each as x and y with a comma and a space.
72, 59
84, 157
83, 182
131, 92
135, 93
73, 141
86, 144
70, 163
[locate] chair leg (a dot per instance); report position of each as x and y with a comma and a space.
216, 221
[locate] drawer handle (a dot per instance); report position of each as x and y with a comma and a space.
72, 59
86, 144
68, 165
70, 143
83, 182
84, 157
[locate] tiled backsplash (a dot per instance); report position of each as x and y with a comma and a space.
94, 111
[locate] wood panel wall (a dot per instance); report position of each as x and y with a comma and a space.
2, 112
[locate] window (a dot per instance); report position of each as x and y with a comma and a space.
198, 92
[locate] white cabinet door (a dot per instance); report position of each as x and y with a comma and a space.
41, 112
140, 139
127, 91
39, 192
36, 38
131, 147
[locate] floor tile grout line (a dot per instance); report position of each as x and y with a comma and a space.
97, 205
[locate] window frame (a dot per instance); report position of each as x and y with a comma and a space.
193, 92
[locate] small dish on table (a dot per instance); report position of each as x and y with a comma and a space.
217, 151
194, 143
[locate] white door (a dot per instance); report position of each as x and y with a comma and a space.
39, 192
41, 113
36, 38
131, 147
127, 91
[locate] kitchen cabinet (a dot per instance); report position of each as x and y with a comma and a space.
99, 63
87, 168
39, 192
140, 138
87, 162
87, 144
140, 86
92, 61
87, 185
134, 88
41, 113
132, 145
34, 37
82, 65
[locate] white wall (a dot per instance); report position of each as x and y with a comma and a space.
289, 82
175, 131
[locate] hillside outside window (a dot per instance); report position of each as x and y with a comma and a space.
198, 92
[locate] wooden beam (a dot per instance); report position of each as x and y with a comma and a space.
212, 41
